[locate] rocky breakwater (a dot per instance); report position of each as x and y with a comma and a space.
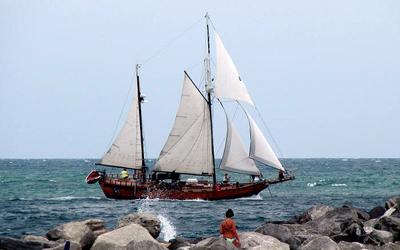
320, 227
133, 232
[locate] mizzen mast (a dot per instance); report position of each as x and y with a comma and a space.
209, 89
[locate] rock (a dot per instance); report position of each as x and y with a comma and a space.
363, 215
148, 245
390, 224
391, 246
120, 238
376, 212
42, 240
280, 232
351, 232
344, 245
313, 213
322, 242
76, 231
72, 246
148, 221
380, 237
370, 223
253, 241
177, 243
333, 222
211, 243
393, 202
7, 243
96, 225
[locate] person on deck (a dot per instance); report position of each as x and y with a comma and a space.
281, 175
124, 174
226, 178
228, 231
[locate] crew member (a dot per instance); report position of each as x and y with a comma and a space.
124, 174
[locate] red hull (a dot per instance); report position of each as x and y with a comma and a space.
131, 189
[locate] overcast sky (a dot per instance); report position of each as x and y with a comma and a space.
325, 75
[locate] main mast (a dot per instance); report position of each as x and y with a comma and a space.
209, 89
140, 100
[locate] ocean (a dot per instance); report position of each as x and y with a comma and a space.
37, 195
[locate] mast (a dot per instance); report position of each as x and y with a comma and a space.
140, 100
209, 89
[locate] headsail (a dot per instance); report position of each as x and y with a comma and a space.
188, 147
228, 85
260, 150
235, 157
126, 150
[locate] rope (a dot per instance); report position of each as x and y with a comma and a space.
269, 132
170, 42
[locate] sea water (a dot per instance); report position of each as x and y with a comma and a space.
37, 195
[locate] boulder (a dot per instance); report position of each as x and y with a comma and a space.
146, 244
322, 242
177, 243
380, 237
363, 215
253, 241
344, 245
376, 212
7, 243
370, 223
390, 224
42, 240
391, 246
313, 213
393, 202
211, 243
148, 221
72, 246
76, 231
96, 225
334, 221
282, 233
120, 238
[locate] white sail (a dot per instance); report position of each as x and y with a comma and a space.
188, 147
235, 157
126, 150
228, 84
260, 150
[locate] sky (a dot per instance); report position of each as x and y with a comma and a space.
324, 75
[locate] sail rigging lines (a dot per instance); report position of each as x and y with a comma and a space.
170, 42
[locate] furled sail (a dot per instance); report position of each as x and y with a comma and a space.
126, 150
260, 150
228, 84
188, 147
235, 157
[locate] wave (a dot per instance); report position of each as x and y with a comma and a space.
339, 185
61, 198
313, 184
257, 197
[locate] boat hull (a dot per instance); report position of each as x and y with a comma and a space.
119, 189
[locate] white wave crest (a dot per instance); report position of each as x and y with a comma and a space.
67, 198
252, 198
339, 185
311, 184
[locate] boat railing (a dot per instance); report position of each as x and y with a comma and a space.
114, 179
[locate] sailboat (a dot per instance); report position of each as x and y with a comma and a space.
189, 149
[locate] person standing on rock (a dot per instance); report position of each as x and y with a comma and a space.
228, 231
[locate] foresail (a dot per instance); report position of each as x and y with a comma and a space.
188, 147
126, 148
228, 84
235, 157
260, 150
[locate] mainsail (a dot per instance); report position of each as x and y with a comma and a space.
235, 157
188, 147
126, 150
228, 85
260, 150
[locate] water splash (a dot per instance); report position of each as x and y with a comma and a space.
168, 230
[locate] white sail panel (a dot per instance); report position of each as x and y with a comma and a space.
260, 150
235, 158
228, 84
126, 148
188, 147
